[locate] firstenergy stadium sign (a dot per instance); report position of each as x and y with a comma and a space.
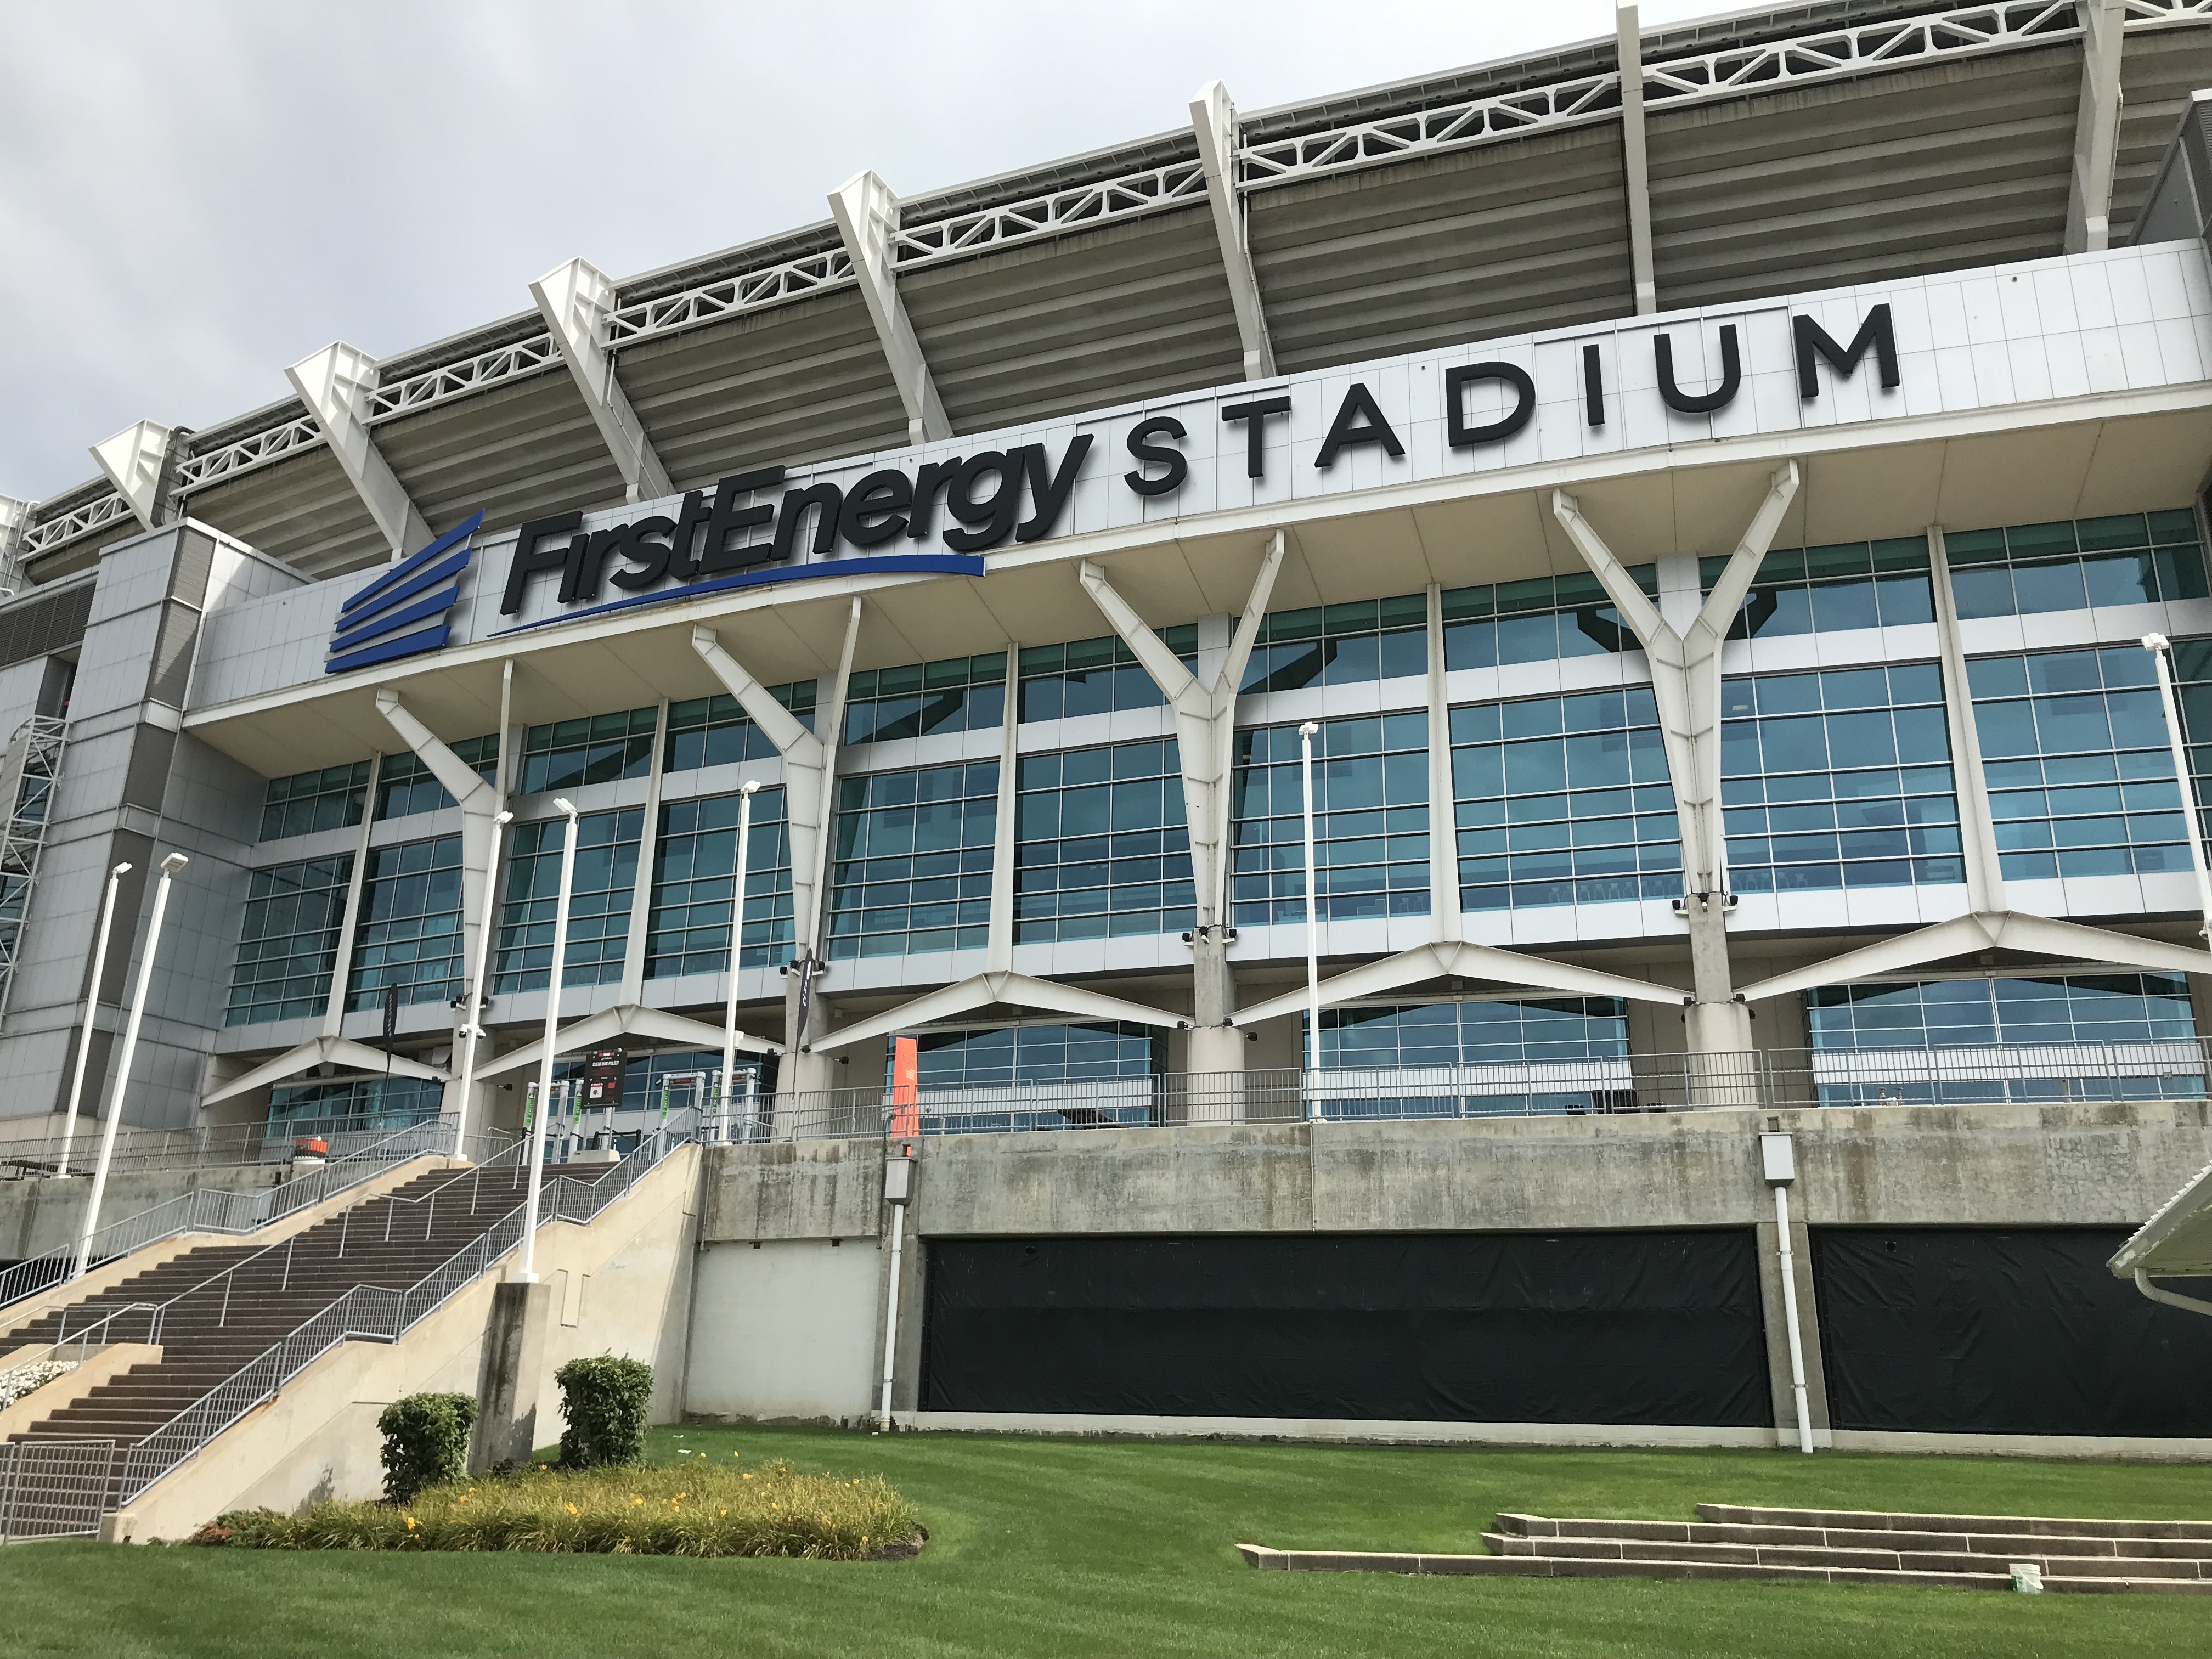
942, 514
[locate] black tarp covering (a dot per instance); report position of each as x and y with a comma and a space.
1643, 1327
1966, 1331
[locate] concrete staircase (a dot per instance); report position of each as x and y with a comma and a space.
222, 1306
1837, 1546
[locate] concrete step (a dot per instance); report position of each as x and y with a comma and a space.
1807, 1555
2016, 1545
1992, 1525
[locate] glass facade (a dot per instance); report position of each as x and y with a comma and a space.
1474, 1033
570, 754
1370, 820
1094, 677
331, 799
1340, 645
364, 1103
1826, 590
1101, 848
1037, 1053
913, 865
2130, 559
1540, 620
717, 730
1979, 1012
1840, 779
288, 942
599, 890
696, 862
2074, 747
410, 931
1563, 800
406, 785
963, 694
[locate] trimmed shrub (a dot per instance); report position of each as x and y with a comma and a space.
425, 1442
605, 1401
694, 1508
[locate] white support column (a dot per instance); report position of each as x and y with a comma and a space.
1978, 833
1000, 953
335, 383
1213, 118
2096, 127
575, 299
867, 216
1635, 171
15, 517
341, 964
648, 843
1445, 923
136, 462
1686, 681
479, 802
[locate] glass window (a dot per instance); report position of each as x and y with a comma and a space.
1474, 1033
361, 1103
599, 889
1563, 800
696, 861
288, 942
406, 785
1540, 620
914, 861
1838, 779
1370, 820
1095, 677
570, 754
1037, 1055
962, 694
2074, 748
2130, 558
1979, 1012
331, 799
410, 931
1100, 846
1340, 644
717, 730
1826, 590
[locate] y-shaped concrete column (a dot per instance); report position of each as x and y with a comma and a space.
1206, 733
1686, 680
479, 803
810, 769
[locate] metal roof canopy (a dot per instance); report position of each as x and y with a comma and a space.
2174, 1243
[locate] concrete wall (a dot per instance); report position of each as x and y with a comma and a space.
40, 1215
2076, 1164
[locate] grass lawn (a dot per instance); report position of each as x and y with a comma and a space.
1124, 1549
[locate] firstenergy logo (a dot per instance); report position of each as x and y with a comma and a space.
379, 623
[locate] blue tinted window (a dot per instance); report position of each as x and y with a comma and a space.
1100, 844
404, 786
1370, 820
1340, 644
331, 799
570, 754
1826, 590
913, 868
2130, 558
604, 878
695, 864
717, 732
963, 694
410, 931
1541, 620
1095, 677
288, 940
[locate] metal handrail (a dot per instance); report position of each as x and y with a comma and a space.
236, 1146
377, 1314
83, 1341
221, 1210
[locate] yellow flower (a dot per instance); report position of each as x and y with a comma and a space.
726, 1511
634, 1498
410, 1523
572, 1509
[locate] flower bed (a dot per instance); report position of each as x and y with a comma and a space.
696, 1508
22, 1379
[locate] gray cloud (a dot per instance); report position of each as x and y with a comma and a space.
192, 197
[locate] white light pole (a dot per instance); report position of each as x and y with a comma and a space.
524, 1274
170, 865
1778, 1163
1313, 925
2156, 645
471, 1028
737, 942
91, 1007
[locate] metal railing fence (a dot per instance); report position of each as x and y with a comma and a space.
217, 1210
55, 1488
225, 1146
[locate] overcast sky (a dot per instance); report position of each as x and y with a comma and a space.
193, 195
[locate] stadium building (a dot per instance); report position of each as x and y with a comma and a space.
1701, 495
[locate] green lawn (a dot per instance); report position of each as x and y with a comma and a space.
1125, 1548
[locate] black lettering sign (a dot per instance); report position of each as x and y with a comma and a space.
1147, 452
1359, 420
1812, 340
1699, 403
1253, 417
1457, 433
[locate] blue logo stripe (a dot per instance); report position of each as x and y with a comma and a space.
406, 646
406, 567
887, 564
385, 612
436, 605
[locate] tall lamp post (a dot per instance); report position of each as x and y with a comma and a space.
170, 865
736, 941
91, 1008
1313, 925
2160, 654
525, 1272
472, 1029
